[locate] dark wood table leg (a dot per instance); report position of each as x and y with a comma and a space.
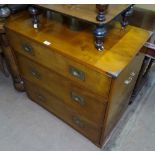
12, 64
101, 8
34, 12
125, 16
99, 35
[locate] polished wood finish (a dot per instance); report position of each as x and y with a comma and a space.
10, 59
56, 106
54, 61
77, 47
87, 12
121, 91
62, 88
60, 64
104, 14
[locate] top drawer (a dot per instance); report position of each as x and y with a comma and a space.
90, 79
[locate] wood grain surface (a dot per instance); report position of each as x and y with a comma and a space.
86, 12
109, 78
57, 107
62, 88
120, 45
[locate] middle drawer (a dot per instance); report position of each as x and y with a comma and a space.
83, 101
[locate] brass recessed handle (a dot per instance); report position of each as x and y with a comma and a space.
77, 98
28, 48
35, 73
77, 73
78, 122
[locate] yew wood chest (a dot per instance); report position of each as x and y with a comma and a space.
64, 73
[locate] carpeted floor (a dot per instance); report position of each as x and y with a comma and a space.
24, 125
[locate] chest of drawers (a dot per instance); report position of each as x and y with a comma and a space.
64, 73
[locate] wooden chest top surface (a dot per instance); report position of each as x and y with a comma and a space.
120, 45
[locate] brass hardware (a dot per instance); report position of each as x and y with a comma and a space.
35, 73
133, 74
78, 122
75, 97
77, 73
27, 48
128, 81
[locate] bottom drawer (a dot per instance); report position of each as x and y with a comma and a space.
57, 107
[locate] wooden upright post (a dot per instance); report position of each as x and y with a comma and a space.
11, 60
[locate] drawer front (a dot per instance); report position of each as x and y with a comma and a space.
84, 102
55, 106
71, 69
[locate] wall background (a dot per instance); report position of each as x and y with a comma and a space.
146, 6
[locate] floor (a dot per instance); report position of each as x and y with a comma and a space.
24, 125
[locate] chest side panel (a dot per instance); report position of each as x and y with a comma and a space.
121, 91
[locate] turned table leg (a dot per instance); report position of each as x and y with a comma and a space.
101, 8
34, 12
125, 16
12, 64
100, 30
99, 35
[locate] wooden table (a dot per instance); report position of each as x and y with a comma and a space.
87, 12
98, 14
